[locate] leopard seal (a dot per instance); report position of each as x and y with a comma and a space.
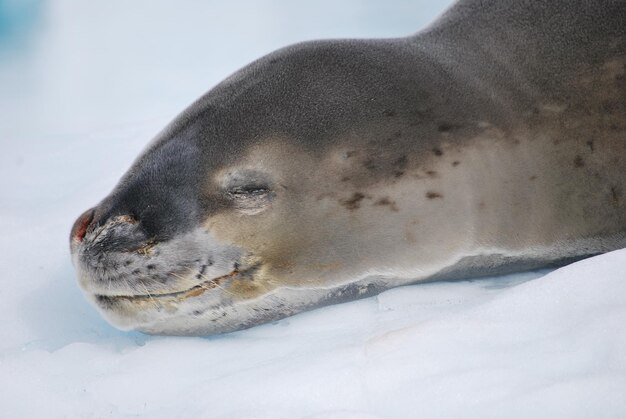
492, 141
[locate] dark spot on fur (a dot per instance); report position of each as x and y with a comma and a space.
437, 151
128, 262
389, 112
136, 272
105, 302
397, 134
385, 201
398, 173
345, 178
578, 161
202, 270
616, 195
400, 162
445, 127
456, 163
590, 144
431, 173
369, 164
433, 195
197, 312
533, 177
354, 202
150, 267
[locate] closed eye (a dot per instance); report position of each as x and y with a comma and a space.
251, 190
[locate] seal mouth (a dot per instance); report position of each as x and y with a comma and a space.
194, 291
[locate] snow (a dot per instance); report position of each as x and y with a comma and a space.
84, 89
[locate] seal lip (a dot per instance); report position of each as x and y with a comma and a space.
194, 291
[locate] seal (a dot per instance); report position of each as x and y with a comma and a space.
492, 141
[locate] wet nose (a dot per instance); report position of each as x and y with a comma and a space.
114, 232
82, 223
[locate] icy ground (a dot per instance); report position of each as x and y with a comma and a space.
79, 97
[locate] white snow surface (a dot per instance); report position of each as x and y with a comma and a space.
84, 88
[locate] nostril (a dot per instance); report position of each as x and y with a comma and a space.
79, 230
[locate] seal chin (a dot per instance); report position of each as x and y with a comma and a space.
219, 311
177, 311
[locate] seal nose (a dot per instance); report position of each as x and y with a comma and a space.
82, 223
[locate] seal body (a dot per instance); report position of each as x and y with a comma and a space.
493, 141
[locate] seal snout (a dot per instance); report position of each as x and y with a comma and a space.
100, 234
82, 223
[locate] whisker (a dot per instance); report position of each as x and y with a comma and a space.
213, 281
188, 282
154, 302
